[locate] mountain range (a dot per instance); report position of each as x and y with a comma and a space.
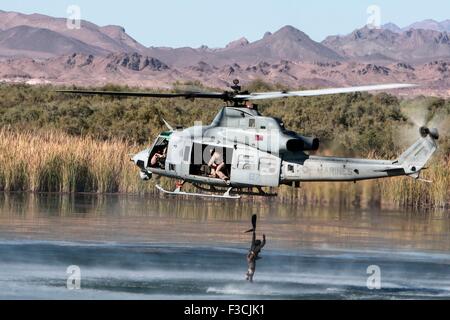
428, 24
41, 49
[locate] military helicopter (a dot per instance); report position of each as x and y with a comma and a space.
242, 150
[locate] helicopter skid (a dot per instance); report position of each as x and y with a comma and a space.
178, 192
260, 192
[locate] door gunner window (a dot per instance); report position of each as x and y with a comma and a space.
201, 156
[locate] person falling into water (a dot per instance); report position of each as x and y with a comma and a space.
255, 249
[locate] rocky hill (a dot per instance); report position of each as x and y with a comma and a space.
413, 45
41, 49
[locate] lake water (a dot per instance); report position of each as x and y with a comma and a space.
130, 247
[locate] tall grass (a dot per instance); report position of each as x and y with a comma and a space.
407, 192
51, 161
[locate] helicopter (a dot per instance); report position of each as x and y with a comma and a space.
242, 150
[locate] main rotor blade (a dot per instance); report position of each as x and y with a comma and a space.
187, 95
231, 96
321, 92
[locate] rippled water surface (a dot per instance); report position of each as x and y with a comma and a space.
143, 248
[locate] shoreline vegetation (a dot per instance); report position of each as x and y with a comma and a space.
51, 142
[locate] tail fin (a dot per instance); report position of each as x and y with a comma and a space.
415, 158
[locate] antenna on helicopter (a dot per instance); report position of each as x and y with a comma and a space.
167, 125
236, 87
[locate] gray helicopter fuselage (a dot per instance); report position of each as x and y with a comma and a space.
259, 151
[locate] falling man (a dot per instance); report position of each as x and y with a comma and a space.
255, 249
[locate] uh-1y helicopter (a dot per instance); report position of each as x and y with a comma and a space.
242, 150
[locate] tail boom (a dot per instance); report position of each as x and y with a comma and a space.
315, 168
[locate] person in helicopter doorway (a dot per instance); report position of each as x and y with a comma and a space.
253, 255
217, 165
159, 158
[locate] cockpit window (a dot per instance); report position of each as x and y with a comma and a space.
158, 154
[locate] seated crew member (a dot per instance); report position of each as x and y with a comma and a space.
217, 164
159, 158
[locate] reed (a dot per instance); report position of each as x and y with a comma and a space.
407, 192
52, 161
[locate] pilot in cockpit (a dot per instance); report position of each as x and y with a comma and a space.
159, 158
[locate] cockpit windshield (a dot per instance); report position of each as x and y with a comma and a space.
158, 154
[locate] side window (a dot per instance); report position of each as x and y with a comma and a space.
251, 123
187, 153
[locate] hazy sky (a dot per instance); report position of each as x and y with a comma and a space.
214, 23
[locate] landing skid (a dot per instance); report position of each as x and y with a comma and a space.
260, 192
178, 192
